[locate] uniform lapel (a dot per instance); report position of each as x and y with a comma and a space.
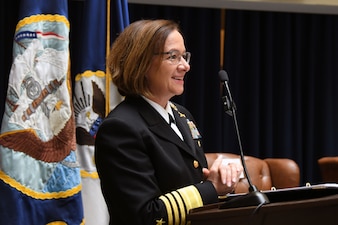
181, 122
161, 128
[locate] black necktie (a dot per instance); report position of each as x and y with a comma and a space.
172, 123
171, 119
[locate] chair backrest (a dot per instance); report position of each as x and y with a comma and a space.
258, 171
329, 168
264, 174
285, 173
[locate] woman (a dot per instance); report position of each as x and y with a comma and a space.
149, 152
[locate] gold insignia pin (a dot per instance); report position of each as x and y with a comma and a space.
175, 108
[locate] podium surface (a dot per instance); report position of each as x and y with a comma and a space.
312, 207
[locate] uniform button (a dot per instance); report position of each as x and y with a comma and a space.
196, 164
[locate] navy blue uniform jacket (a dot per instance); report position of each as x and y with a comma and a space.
148, 174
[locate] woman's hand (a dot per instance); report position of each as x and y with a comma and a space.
223, 176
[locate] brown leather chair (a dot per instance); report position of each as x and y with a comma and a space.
329, 168
265, 174
285, 173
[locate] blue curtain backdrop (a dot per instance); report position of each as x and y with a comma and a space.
284, 73
282, 70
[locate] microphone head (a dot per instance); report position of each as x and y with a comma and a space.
223, 75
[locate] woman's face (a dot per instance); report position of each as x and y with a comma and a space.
166, 78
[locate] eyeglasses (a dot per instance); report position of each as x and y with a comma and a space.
175, 56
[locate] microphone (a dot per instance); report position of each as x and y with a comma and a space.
254, 197
228, 103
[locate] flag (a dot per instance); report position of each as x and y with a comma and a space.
40, 179
94, 94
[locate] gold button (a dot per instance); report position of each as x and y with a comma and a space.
196, 164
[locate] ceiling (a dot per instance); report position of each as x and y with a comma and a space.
300, 6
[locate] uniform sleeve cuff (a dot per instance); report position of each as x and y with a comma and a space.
208, 192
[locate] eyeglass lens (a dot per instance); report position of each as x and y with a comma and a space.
175, 56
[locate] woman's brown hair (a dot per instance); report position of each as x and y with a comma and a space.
132, 54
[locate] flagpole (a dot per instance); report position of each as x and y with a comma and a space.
108, 78
222, 38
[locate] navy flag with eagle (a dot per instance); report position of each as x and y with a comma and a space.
96, 26
39, 174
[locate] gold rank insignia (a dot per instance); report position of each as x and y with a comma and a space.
175, 108
160, 222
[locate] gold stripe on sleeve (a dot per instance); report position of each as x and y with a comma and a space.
182, 208
191, 197
169, 210
178, 203
175, 209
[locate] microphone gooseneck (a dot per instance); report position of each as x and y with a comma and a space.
229, 105
254, 197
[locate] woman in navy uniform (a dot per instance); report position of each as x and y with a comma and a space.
149, 153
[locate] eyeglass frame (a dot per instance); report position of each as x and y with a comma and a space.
178, 59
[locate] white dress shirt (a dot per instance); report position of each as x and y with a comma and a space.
165, 114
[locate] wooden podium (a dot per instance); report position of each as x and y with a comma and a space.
313, 206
